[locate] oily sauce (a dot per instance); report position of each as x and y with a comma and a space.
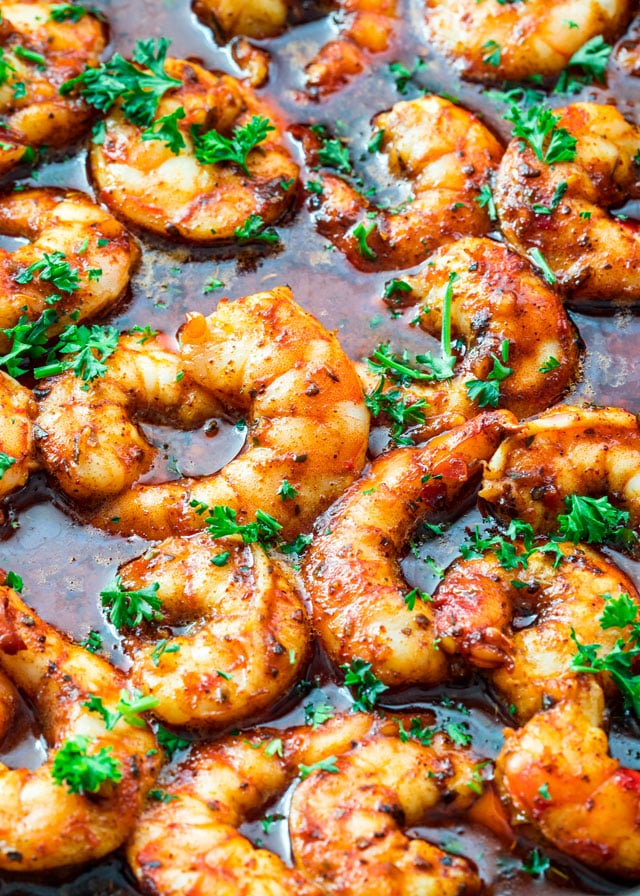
65, 564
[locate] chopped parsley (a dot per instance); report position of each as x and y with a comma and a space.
211, 148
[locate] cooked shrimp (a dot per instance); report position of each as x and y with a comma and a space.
351, 570
17, 448
191, 844
43, 824
248, 638
481, 607
95, 248
87, 435
174, 194
562, 209
495, 297
446, 156
494, 40
346, 822
39, 53
566, 451
301, 398
364, 27
9, 700
557, 774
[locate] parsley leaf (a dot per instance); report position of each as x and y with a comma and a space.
211, 148
358, 674
222, 521
81, 771
166, 128
127, 609
594, 520
324, 765
52, 268
86, 349
537, 125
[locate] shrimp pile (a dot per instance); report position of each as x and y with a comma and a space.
66, 228
88, 437
495, 298
265, 358
375, 783
593, 803
446, 156
563, 209
248, 638
351, 570
39, 53
479, 603
45, 822
494, 40
175, 188
592, 452
17, 444
365, 27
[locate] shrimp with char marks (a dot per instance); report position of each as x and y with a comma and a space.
79, 259
361, 806
248, 638
556, 774
40, 51
87, 433
351, 570
191, 843
179, 190
276, 365
495, 299
445, 155
566, 451
498, 40
481, 607
562, 209
45, 821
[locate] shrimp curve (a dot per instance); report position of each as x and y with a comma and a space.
351, 570
274, 363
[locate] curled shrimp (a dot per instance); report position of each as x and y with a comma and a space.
168, 191
592, 452
346, 822
351, 570
17, 445
518, 623
40, 52
495, 299
495, 41
45, 822
248, 637
562, 209
557, 775
88, 437
365, 27
266, 358
446, 156
191, 843
62, 225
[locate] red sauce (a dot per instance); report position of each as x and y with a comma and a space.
65, 565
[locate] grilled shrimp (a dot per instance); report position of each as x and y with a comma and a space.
566, 451
481, 612
556, 773
346, 821
446, 156
494, 40
562, 209
17, 447
39, 53
351, 570
65, 227
170, 191
364, 27
87, 435
301, 398
495, 298
248, 637
189, 843
52, 816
